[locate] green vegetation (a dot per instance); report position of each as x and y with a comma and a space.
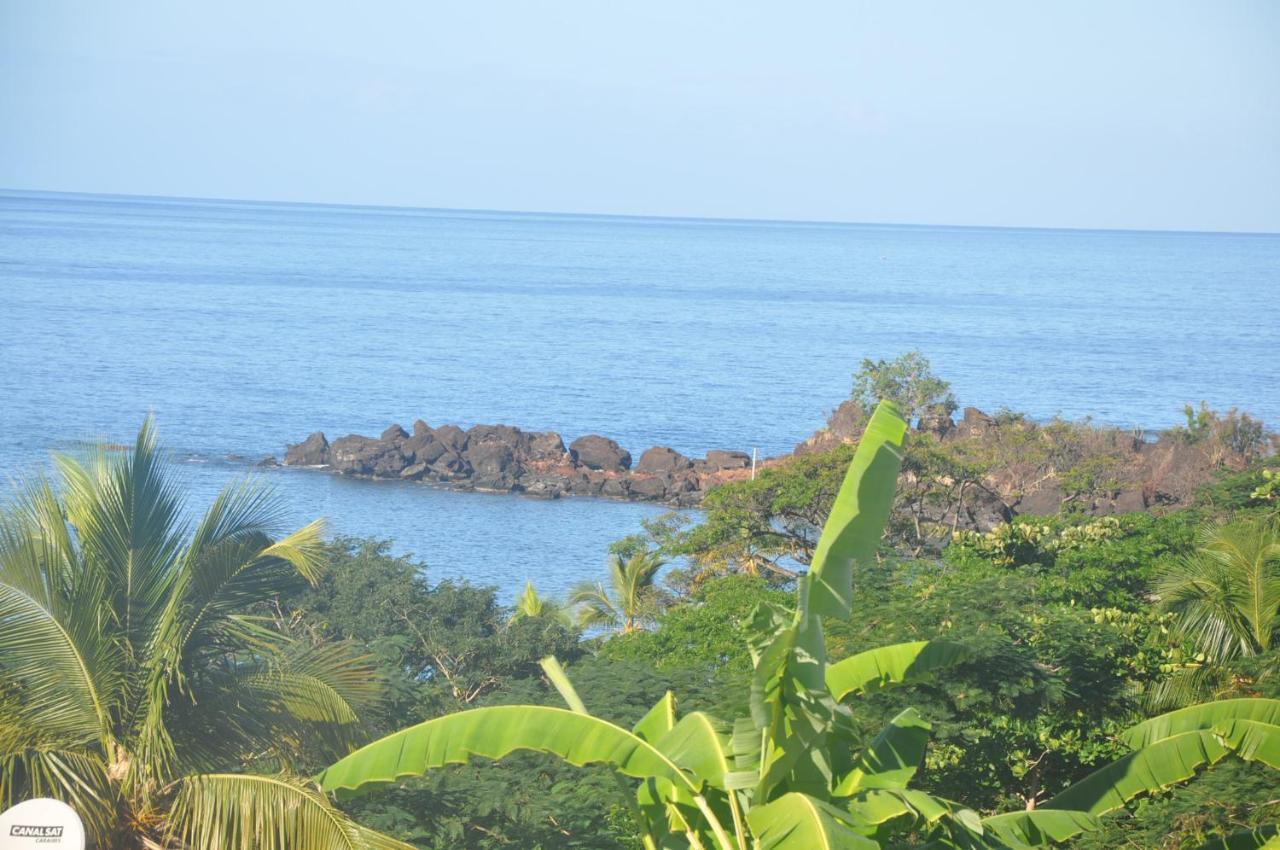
1232, 431
907, 381
145, 680
631, 599
799, 770
1226, 595
992, 681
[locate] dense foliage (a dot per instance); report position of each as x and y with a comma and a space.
1064, 650
144, 676
1074, 629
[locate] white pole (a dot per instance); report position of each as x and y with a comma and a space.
753, 464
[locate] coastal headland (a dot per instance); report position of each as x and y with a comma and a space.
1002, 465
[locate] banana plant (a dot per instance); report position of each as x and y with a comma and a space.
1172, 748
795, 774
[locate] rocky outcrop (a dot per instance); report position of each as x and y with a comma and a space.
844, 425
596, 452
1042, 469
661, 460
1010, 465
506, 459
718, 460
313, 451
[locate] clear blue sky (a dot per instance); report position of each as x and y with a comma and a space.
1130, 114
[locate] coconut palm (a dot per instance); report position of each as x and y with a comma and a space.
1226, 595
532, 605
629, 601
143, 678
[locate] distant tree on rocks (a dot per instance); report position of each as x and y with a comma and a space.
908, 381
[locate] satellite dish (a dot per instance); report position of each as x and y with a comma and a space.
41, 824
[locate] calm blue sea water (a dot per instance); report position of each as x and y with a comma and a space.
244, 325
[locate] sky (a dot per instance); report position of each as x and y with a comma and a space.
1088, 113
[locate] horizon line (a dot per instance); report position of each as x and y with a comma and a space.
632, 216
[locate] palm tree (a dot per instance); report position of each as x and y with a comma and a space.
532, 605
630, 600
1226, 596
143, 678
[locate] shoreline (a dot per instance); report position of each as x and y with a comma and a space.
1026, 467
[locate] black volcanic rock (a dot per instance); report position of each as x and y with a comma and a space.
936, 421
615, 488
453, 437
1035, 463
504, 434
653, 488
313, 451
547, 446
718, 460
413, 472
596, 452
394, 434
974, 423
422, 447
356, 455
450, 466
1045, 501
493, 465
544, 487
660, 459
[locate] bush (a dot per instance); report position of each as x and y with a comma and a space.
905, 380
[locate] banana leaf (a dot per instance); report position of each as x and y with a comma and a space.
493, 733
890, 665
857, 519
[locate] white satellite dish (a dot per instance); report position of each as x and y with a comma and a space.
41, 824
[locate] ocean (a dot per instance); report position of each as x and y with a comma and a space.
244, 326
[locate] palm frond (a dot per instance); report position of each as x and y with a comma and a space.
593, 607
629, 599
1227, 593
126, 511
58, 653
533, 605
237, 574
34, 766
279, 709
242, 510
227, 811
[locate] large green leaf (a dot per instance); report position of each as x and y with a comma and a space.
878, 806
893, 756
1161, 765
1039, 827
857, 519
658, 720
800, 822
699, 744
890, 665
1252, 740
1204, 716
792, 709
495, 732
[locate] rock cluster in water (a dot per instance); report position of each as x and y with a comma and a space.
1028, 468
506, 459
